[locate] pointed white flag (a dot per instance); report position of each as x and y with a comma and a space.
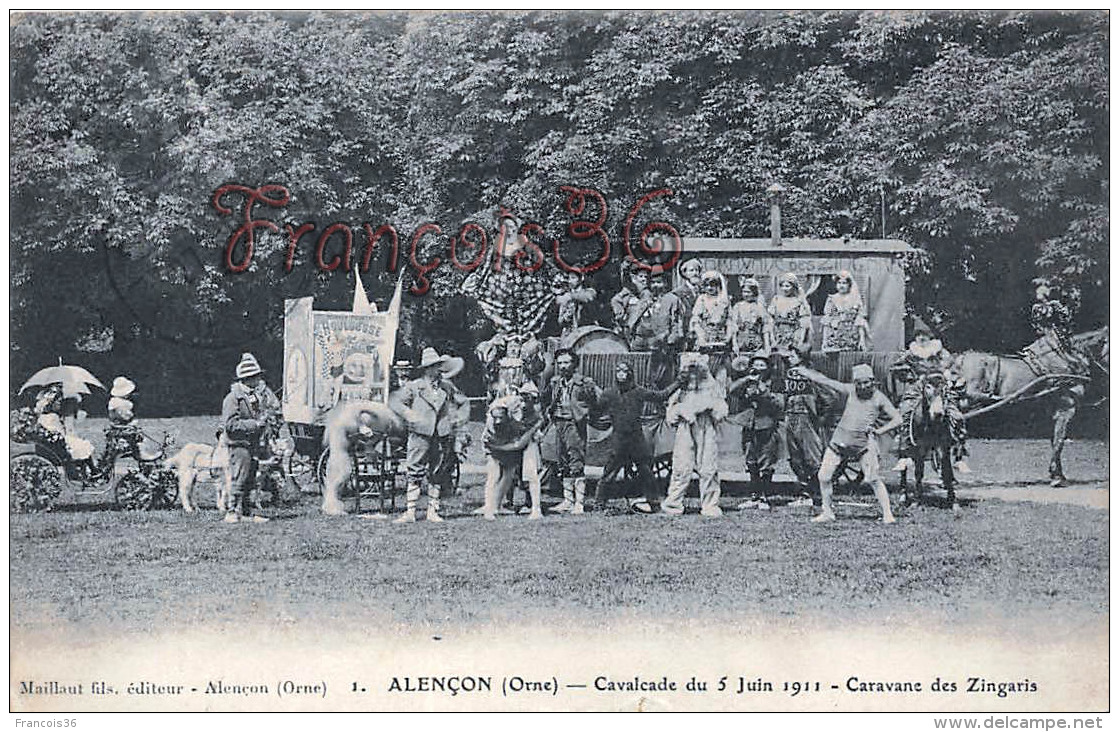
362, 306
392, 324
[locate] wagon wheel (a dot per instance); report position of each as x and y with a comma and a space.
134, 492
35, 484
320, 468
166, 488
304, 471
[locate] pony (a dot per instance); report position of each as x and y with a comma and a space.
197, 462
929, 433
1044, 368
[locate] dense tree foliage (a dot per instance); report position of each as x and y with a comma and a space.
980, 138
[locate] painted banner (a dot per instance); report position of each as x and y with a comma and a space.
353, 356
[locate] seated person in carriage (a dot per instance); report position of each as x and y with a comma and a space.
122, 436
52, 423
927, 358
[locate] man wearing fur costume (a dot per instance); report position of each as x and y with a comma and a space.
695, 410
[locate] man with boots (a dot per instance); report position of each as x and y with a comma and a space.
567, 400
243, 418
435, 413
761, 421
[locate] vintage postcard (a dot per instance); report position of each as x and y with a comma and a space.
560, 361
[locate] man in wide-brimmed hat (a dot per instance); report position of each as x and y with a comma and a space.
243, 418
436, 413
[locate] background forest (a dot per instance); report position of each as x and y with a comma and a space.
982, 139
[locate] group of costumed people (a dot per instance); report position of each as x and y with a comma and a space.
710, 360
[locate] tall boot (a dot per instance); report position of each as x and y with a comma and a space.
413, 497
568, 497
580, 494
433, 503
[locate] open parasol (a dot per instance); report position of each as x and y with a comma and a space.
75, 380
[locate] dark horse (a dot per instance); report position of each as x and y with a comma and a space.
1044, 369
929, 434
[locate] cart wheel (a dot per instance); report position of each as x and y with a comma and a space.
320, 469
134, 492
303, 470
35, 484
166, 488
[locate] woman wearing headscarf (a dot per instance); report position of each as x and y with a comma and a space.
751, 326
844, 321
711, 314
792, 318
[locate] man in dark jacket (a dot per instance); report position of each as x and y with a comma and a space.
243, 417
628, 446
567, 401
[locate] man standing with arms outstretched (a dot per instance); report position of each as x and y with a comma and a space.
855, 437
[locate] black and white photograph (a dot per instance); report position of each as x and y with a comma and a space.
559, 360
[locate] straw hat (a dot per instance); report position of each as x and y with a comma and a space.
122, 387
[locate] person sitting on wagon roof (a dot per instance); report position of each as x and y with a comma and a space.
867, 414
845, 324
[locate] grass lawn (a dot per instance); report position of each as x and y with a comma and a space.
150, 572
145, 572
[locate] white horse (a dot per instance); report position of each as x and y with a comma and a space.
210, 463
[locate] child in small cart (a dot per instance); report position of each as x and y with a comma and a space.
122, 436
